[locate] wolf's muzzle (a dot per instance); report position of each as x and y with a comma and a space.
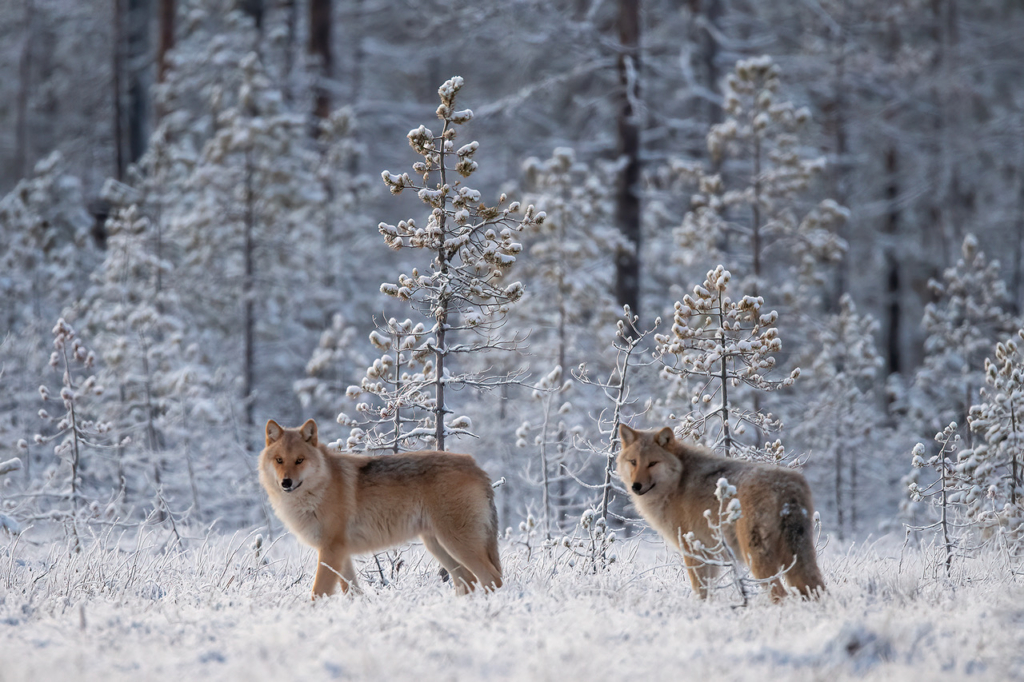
638, 488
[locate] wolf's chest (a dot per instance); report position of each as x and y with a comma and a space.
299, 516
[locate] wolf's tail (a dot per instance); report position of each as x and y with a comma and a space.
798, 535
492, 540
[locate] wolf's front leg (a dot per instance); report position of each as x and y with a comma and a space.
331, 566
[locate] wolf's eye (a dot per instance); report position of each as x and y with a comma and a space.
651, 465
299, 460
632, 462
280, 461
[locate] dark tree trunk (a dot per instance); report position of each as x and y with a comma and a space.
118, 130
255, 9
892, 266
890, 229
24, 86
137, 60
627, 260
836, 129
166, 44
249, 293
291, 22
707, 48
320, 47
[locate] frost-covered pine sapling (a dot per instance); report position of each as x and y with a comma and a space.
941, 493
995, 465
73, 430
549, 392
250, 242
570, 269
571, 276
962, 326
763, 134
629, 338
595, 547
342, 193
471, 246
330, 368
46, 249
842, 411
135, 322
718, 344
7, 522
397, 383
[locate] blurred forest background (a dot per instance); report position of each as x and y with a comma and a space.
194, 187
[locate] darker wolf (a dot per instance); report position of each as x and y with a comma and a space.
673, 483
343, 504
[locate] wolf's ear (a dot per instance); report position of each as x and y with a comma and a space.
274, 431
308, 431
664, 437
627, 435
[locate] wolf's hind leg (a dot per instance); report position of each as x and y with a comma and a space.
472, 553
461, 577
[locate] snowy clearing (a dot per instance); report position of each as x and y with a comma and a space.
214, 611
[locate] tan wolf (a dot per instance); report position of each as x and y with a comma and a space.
344, 504
672, 483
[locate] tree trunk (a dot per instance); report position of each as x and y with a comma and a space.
137, 60
24, 85
320, 47
627, 260
708, 50
166, 44
892, 279
836, 125
118, 130
249, 323
441, 348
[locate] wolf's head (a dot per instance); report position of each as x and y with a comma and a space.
291, 457
647, 459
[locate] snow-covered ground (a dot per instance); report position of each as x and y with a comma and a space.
212, 609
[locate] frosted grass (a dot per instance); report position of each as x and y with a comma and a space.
138, 604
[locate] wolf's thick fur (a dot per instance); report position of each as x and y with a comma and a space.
343, 504
672, 484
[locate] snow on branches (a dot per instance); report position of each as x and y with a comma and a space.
722, 343
471, 248
962, 326
995, 466
763, 131
73, 431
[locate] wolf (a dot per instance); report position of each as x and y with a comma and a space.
342, 504
672, 483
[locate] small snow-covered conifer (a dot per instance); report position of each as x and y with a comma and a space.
994, 498
630, 340
717, 344
399, 383
943, 492
46, 247
462, 288
76, 427
763, 131
962, 326
250, 244
843, 411
570, 276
